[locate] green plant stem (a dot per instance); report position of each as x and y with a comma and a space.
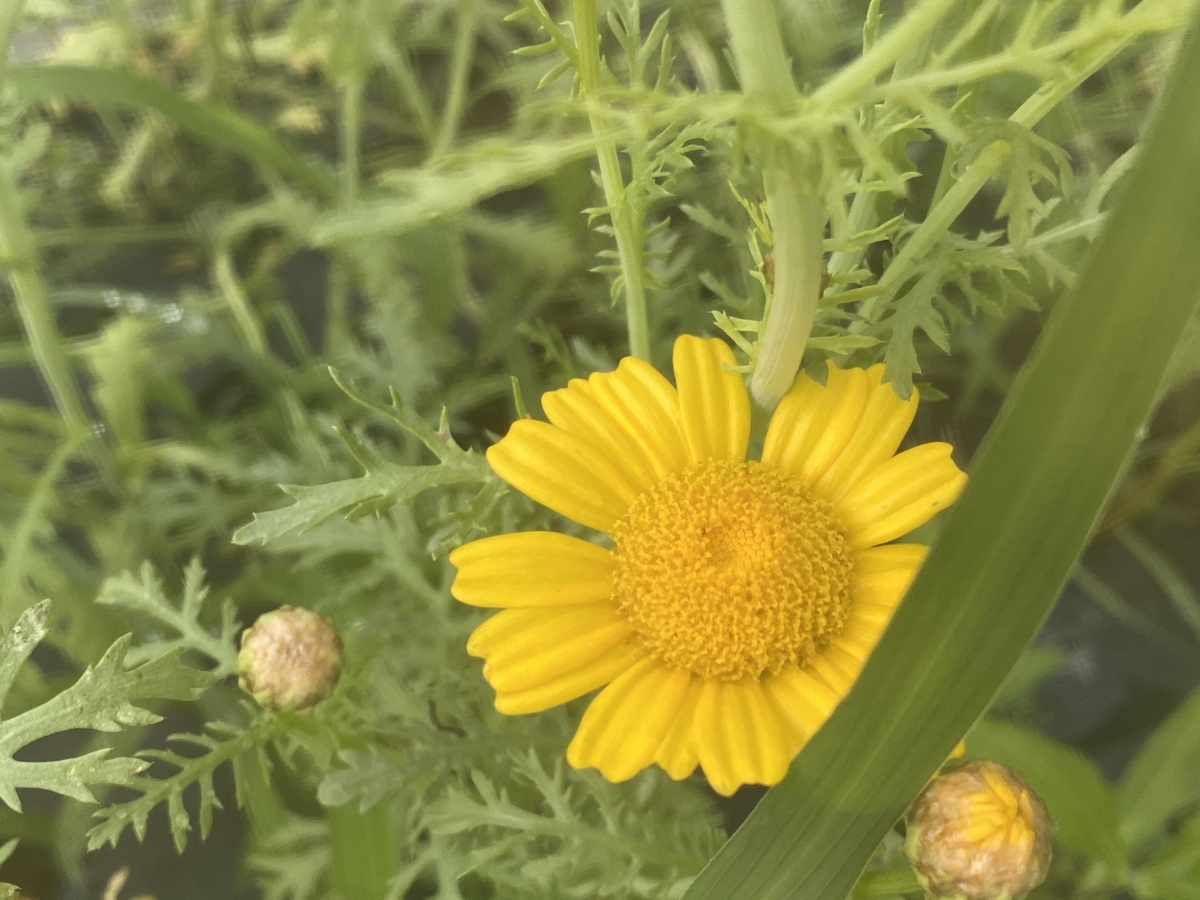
796, 212
886, 883
460, 73
239, 305
365, 856
20, 261
626, 228
337, 317
861, 74
989, 160
114, 234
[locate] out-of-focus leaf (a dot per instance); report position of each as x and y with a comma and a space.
1163, 778
212, 124
1181, 594
1079, 799
453, 186
1037, 488
1174, 872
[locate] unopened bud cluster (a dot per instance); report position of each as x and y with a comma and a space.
290, 659
979, 833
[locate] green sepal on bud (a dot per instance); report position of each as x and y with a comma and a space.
12, 892
979, 833
290, 659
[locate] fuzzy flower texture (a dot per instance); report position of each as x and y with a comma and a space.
740, 598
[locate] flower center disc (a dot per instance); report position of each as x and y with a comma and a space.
731, 570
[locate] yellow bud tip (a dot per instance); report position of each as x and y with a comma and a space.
979, 833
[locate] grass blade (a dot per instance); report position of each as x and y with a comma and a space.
1037, 488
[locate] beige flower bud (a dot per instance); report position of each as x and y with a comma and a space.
290, 659
979, 833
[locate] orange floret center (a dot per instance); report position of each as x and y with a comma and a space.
732, 570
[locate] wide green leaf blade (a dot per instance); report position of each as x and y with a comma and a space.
212, 124
1037, 487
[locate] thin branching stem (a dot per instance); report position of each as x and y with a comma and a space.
626, 227
848, 84
989, 160
460, 75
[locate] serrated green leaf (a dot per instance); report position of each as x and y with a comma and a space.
191, 770
103, 699
145, 596
386, 486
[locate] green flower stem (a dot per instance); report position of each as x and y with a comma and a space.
337, 324
886, 883
626, 226
460, 71
796, 213
861, 74
364, 848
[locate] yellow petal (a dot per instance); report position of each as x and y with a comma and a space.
526, 648
677, 754
904, 492
742, 736
807, 701
646, 405
813, 423
713, 402
563, 472
575, 409
531, 568
883, 574
884, 422
837, 679
628, 720
574, 684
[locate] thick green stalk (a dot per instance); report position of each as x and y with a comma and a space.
626, 226
796, 212
365, 852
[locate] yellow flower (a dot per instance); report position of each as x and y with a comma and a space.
979, 833
740, 598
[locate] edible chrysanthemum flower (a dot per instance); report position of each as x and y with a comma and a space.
740, 597
979, 833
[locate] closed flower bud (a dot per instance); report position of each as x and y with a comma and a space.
979, 833
290, 659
